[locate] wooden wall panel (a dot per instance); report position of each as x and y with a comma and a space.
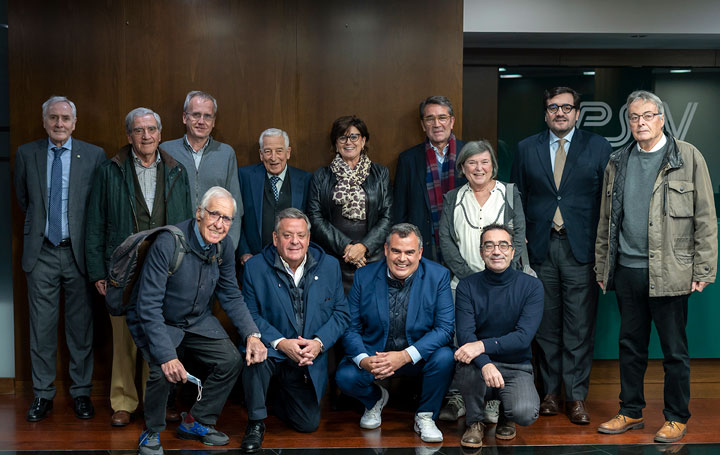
289, 64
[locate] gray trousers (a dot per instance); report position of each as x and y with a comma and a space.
566, 335
56, 269
222, 359
519, 397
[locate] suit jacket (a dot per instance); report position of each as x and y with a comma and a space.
326, 314
430, 315
252, 186
578, 196
411, 203
163, 308
31, 187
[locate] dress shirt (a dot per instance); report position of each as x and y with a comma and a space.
196, 154
440, 155
555, 143
147, 178
281, 176
661, 143
65, 159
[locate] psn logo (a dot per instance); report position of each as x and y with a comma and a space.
598, 113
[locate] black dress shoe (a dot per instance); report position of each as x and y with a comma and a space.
84, 408
254, 435
39, 409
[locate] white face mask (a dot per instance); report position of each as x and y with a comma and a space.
198, 383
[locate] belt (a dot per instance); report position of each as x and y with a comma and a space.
64, 243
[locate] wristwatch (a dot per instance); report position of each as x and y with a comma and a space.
255, 334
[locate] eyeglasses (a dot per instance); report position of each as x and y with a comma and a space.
430, 119
566, 108
139, 131
489, 247
215, 216
647, 116
354, 137
198, 115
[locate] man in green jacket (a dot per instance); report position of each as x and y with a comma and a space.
656, 244
140, 188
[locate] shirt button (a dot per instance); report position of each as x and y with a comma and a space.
559, 197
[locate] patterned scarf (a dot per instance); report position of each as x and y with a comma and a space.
439, 181
347, 192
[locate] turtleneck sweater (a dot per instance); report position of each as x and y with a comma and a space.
503, 310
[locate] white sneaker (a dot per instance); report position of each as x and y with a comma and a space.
426, 428
492, 411
372, 418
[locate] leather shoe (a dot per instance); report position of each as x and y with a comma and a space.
621, 424
172, 415
550, 405
254, 435
84, 408
577, 413
473, 436
671, 431
505, 430
39, 409
120, 418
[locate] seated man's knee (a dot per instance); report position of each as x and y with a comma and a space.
348, 376
524, 414
442, 358
230, 365
308, 425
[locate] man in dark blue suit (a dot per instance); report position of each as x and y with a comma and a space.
295, 295
267, 188
402, 321
559, 173
426, 172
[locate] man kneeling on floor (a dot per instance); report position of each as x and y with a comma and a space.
497, 312
401, 322
171, 314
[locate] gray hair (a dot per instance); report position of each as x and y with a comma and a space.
646, 96
274, 132
57, 99
203, 95
439, 100
403, 230
475, 148
140, 112
215, 192
293, 213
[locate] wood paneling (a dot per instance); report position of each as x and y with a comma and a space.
294, 65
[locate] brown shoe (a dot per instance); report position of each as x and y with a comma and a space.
671, 431
473, 436
577, 413
505, 430
621, 424
550, 405
172, 415
120, 418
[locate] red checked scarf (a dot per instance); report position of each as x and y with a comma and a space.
439, 181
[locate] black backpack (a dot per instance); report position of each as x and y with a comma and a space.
126, 263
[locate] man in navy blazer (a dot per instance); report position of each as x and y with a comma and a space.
427, 171
402, 321
295, 295
267, 188
559, 173
53, 177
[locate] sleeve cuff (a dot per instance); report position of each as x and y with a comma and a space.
358, 358
414, 354
274, 343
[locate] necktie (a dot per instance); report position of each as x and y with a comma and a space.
55, 204
560, 157
273, 183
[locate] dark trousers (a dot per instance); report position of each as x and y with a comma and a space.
296, 403
436, 375
567, 332
220, 357
519, 398
637, 311
56, 269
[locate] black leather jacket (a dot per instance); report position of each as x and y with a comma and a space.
379, 200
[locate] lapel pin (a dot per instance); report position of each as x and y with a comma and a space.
279, 285
316, 277
77, 156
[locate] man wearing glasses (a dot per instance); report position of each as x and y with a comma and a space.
141, 187
208, 162
559, 175
172, 314
656, 244
497, 312
426, 172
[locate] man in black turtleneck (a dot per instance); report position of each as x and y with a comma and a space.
497, 313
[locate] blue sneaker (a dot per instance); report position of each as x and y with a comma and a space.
149, 443
192, 429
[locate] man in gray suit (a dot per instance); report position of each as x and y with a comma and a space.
208, 162
53, 178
